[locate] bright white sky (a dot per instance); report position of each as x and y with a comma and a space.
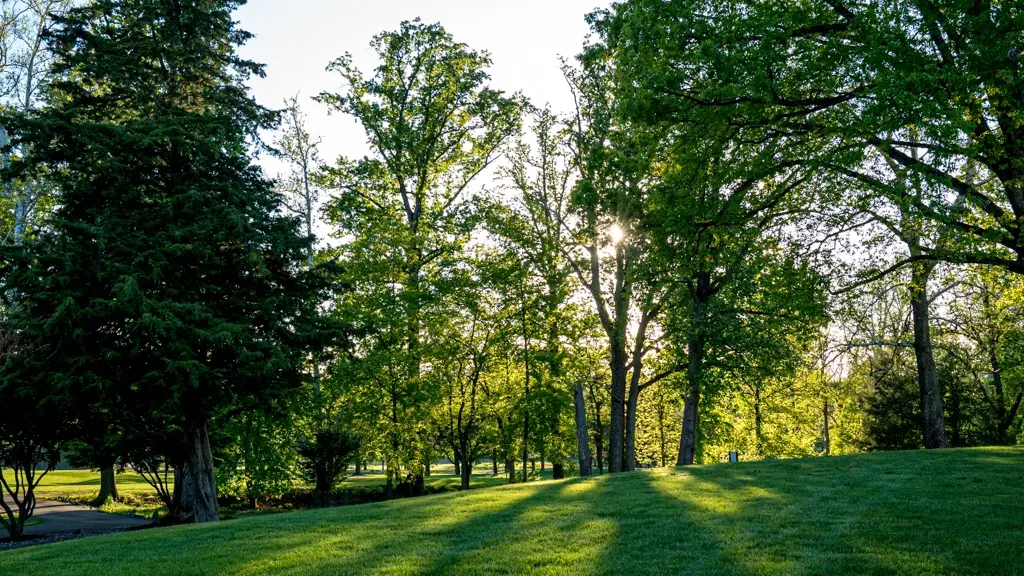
297, 39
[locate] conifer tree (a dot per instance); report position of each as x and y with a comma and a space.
168, 291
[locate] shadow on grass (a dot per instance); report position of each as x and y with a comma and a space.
946, 512
407, 536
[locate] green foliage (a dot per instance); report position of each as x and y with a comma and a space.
324, 459
404, 214
165, 291
260, 461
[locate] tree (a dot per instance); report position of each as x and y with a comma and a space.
853, 78
984, 316
433, 126
530, 227
463, 337
25, 65
33, 430
301, 152
613, 160
167, 288
324, 459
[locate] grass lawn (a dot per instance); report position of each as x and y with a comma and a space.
949, 512
85, 484
82, 486
139, 498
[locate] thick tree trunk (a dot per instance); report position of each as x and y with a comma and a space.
419, 485
467, 470
557, 470
458, 465
182, 501
927, 378
582, 438
616, 459
108, 485
688, 440
203, 484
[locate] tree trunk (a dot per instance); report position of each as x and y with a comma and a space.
467, 470
458, 465
615, 436
418, 484
557, 470
828, 436
108, 485
662, 456
203, 484
494, 461
582, 438
526, 451
927, 378
182, 502
688, 440
758, 423
634, 397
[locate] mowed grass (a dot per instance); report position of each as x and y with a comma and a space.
140, 499
948, 512
85, 484
82, 487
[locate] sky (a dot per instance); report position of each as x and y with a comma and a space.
297, 39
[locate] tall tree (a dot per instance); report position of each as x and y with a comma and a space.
167, 288
433, 126
610, 203
25, 67
854, 77
530, 226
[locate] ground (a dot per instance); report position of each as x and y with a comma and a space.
51, 516
948, 512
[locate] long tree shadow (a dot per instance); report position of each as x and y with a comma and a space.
416, 535
883, 513
937, 513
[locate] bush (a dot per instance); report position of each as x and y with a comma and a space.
323, 462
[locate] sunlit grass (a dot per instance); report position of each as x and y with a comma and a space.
85, 484
950, 512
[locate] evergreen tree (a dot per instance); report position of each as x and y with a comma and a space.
168, 289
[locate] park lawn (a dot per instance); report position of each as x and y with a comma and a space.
85, 484
942, 512
82, 487
139, 498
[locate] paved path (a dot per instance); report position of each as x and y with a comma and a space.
61, 517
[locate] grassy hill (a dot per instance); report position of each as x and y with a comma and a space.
950, 512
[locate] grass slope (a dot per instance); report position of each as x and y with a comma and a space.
952, 512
